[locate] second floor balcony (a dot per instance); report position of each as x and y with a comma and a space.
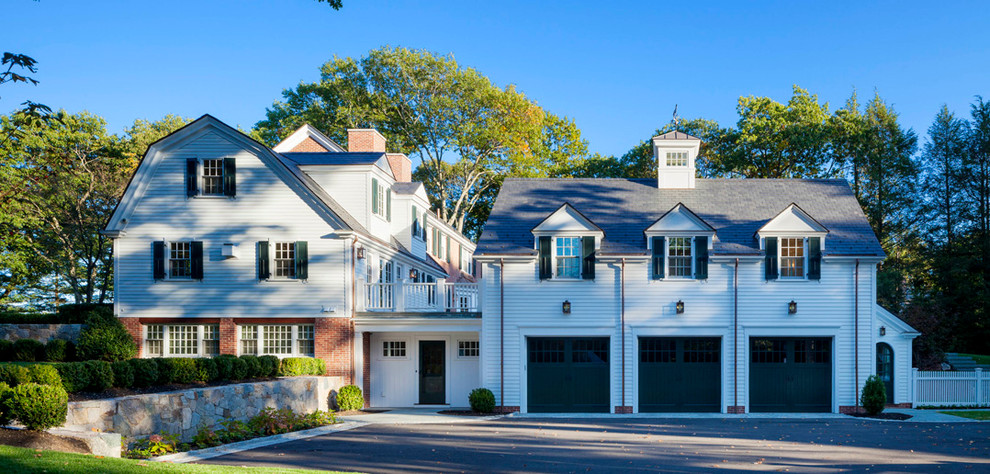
437, 297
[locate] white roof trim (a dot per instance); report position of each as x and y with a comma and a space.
304, 132
680, 219
792, 220
889, 319
566, 220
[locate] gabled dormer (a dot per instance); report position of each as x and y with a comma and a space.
676, 153
679, 242
566, 242
792, 242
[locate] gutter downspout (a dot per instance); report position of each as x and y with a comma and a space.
501, 333
735, 336
856, 334
354, 310
622, 320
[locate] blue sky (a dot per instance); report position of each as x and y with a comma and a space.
616, 68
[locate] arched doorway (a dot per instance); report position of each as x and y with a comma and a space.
885, 368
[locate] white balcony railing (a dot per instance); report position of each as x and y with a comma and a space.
421, 297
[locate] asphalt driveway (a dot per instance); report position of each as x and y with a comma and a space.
630, 445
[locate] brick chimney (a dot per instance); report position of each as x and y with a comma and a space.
365, 140
401, 167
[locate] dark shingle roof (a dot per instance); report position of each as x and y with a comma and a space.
331, 158
676, 135
624, 208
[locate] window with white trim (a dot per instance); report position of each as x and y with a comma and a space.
567, 257
183, 340
285, 259
213, 177
277, 340
305, 340
382, 210
677, 158
792, 257
154, 340
393, 348
679, 261
179, 260
211, 340
468, 349
249, 340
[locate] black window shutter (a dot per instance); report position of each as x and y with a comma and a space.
191, 177
374, 195
814, 258
770, 246
196, 259
546, 270
658, 266
388, 205
302, 260
415, 223
448, 248
701, 258
158, 259
264, 272
229, 177
588, 258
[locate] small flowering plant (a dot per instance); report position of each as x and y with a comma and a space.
154, 445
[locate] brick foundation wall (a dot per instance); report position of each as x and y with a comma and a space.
333, 340
507, 409
736, 409
309, 146
133, 326
623, 410
898, 405
366, 367
849, 410
228, 336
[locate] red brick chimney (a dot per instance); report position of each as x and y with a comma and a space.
365, 140
401, 167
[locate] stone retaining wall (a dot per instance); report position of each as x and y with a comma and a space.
40, 332
184, 412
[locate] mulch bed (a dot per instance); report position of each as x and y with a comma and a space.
364, 411
882, 416
123, 392
464, 413
41, 440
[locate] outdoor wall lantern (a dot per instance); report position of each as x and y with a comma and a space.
883, 330
792, 307
360, 253
679, 307
566, 307
413, 273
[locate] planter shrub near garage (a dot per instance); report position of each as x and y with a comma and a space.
295, 366
349, 398
874, 396
482, 400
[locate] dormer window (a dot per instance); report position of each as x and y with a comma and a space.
679, 261
567, 257
566, 242
679, 241
792, 257
792, 242
677, 158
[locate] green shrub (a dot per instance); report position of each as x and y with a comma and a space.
874, 395
239, 369
44, 375
253, 366
100, 375
482, 400
349, 398
6, 350
77, 313
207, 369
6, 395
225, 366
145, 372
105, 338
39, 407
28, 350
75, 376
57, 350
293, 366
178, 370
165, 373
269, 365
14, 375
123, 374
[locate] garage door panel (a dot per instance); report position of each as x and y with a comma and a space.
680, 374
568, 375
790, 375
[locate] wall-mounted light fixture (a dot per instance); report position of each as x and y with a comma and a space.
883, 330
413, 274
565, 307
360, 253
792, 307
679, 307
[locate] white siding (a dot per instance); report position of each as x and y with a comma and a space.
350, 186
395, 381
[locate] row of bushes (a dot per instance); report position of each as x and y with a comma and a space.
104, 337
30, 350
66, 314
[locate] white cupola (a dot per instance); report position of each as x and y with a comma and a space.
676, 153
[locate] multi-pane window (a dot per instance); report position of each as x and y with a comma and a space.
792, 257
812, 351
381, 210
285, 259
589, 351
277, 339
701, 350
213, 177
394, 348
654, 349
769, 351
546, 350
154, 340
468, 349
679, 257
211, 340
305, 341
677, 158
179, 260
249, 340
568, 257
183, 340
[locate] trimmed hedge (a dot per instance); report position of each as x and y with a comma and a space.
75, 376
225, 366
123, 374
145, 372
14, 375
239, 368
59, 350
66, 314
253, 366
269, 365
6, 393
482, 400
349, 398
6, 349
293, 366
38, 407
100, 375
206, 369
105, 338
44, 375
28, 350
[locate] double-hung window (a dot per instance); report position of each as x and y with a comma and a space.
179, 260
679, 257
278, 339
154, 340
792, 257
285, 260
305, 340
567, 256
213, 177
249, 340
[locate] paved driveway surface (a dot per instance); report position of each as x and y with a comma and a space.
575, 445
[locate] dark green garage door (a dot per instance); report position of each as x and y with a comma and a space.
790, 375
680, 374
568, 374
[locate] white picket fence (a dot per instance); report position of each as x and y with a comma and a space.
950, 388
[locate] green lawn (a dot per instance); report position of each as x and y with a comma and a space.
980, 359
20, 460
976, 415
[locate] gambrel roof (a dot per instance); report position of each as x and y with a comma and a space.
625, 208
